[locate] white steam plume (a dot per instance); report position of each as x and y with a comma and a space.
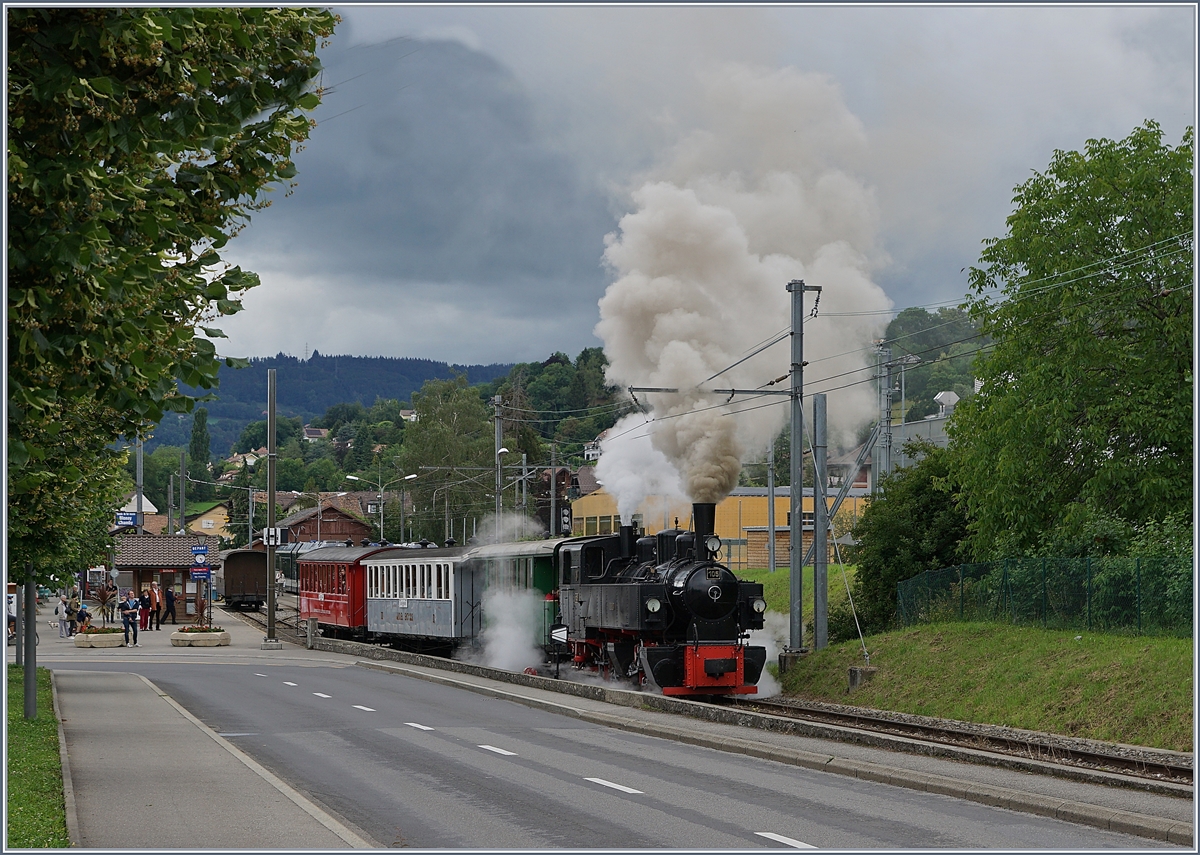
754, 199
631, 468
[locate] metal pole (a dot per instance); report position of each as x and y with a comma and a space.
820, 528
271, 506
140, 530
250, 524
30, 645
524, 486
554, 527
171, 503
182, 492
796, 545
771, 509
499, 439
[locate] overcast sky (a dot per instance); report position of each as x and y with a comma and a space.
471, 164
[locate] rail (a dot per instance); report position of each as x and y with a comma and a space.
1130, 761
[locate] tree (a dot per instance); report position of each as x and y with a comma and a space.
1086, 398
912, 525
453, 432
139, 139
199, 457
945, 341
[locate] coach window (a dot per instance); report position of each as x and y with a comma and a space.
566, 568
341, 579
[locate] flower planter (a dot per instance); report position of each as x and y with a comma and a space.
200, 639
99, 639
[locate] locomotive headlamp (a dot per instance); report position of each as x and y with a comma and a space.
653, 605
759, 605
713, 544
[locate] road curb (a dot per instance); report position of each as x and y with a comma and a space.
68, 783
1096, 816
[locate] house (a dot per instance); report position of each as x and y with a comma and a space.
591, 450
312, 434
144, 558
741, 519
330, 523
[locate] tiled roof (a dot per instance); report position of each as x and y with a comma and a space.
150, 550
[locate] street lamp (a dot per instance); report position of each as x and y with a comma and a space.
380, 487
317, 496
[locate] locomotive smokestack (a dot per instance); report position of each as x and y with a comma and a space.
704, 514
628, 541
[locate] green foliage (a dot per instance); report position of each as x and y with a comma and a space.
1086, 405
139, 139
945, 341
912, 525
568, 402
254, 435
453, 432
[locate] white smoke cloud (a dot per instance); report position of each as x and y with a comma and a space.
632, 469
507, 528
759, 195
509, 638
773, 635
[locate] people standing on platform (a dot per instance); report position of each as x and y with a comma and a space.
156, 606
73, 610
170, 599
144, 611
129, 617
64, 622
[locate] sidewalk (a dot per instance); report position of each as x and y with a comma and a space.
216, 796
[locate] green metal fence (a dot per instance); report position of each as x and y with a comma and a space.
1144, 595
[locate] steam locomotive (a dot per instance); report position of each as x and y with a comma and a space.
660, 610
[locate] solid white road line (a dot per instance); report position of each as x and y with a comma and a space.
786, 841
605, 783
259, 675
417, 726
322, 695
364, 709
498, 750
286, 683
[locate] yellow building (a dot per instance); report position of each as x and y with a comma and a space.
741, 520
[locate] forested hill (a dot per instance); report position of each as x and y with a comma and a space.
307, 387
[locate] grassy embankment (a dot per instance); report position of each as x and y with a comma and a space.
1117, 688
36, 813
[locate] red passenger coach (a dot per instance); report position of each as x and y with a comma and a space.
332, 587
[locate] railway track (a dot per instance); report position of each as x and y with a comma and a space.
286, 618
1130, 761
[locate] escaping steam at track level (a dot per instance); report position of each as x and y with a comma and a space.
755, 198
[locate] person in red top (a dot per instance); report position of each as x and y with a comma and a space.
156, 606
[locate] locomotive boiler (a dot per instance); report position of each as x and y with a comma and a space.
661, 610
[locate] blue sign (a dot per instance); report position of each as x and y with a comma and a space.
201, 573
126, 517
200, 550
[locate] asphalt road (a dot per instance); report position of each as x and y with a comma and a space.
414, 764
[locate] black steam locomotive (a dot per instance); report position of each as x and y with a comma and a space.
661, 610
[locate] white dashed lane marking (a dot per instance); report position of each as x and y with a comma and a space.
498, 750
286, 683
259, 675
786, 841
417, 726
605, 783
364, 709
322, 695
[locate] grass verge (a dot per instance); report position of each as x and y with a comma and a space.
37, 817
777, 590
1115, 688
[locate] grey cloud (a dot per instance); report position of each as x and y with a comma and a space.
427, 165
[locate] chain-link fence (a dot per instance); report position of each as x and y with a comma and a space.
1143, 595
